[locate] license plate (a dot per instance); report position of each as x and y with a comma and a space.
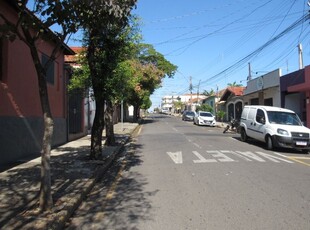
302, 143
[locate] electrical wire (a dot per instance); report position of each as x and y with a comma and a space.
258, 50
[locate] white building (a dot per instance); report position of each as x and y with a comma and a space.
190, 101
264, 90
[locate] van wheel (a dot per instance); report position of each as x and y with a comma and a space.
305, 151
269, 143
243, 135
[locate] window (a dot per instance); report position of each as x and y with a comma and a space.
268, 101
260, 116
254, 101
50, 72
231, 114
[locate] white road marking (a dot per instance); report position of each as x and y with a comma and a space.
198, 146
176, 157
279, 154
221, 157
273, 158
250, 156
202, 159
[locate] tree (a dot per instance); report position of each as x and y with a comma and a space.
220, 114
178, 105
209, 93
116, 81
111, 69
204, 107
103, 22
234, 84
29, 29
149, 68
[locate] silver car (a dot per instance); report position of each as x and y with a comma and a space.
188, 115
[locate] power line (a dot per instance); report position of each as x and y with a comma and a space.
255, 52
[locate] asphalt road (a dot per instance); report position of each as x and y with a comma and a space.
175, 175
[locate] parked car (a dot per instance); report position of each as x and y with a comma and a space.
188, 115
277, 127
204, 118
166, 111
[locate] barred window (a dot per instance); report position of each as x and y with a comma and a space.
50, 72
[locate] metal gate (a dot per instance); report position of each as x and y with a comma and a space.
75, 112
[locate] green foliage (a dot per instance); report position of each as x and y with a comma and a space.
220, 114
234, 84
80, 78
149, 68
147, 103
178, 105
204, 107
148, 55
209, 93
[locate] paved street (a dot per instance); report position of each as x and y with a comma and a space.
175, 175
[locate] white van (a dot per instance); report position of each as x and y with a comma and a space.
277, 127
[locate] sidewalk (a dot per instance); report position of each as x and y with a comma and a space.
73, 176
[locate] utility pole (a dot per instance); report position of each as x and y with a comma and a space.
190, 89
301, 63
250, 72
198, 91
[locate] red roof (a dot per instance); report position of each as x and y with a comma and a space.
232, 90
74, 58
237, 91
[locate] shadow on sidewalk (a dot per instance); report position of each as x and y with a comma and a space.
120, 200
20, 186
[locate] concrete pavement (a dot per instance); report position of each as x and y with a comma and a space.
73, 177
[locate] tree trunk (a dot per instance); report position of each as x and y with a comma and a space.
46, 201
98, 125
96, 132
110, 141
135, 113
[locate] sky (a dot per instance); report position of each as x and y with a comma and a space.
212, 42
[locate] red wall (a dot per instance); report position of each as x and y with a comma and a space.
19, 95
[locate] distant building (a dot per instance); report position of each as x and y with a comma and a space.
231, 102
189, 101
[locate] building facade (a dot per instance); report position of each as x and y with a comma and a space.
21, 118
264, 90
295, 93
